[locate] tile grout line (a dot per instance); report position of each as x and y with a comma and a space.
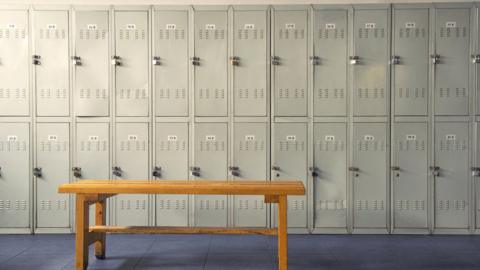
144, 254
208, 252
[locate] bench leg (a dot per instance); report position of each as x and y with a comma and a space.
81, 237
100, 219
282, 233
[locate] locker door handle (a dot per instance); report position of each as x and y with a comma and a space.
157, 172
435, 170
195, 61
37, 172
315, 60
475, 171
36, 59
275, 168
475, 58
314, 171
195, 171
435, 58
275, 60
234, 170
235, 60
117, 171
156, 61
396, 169
116, 60
355, 170
77, 172
354, 60
76, 61
395, 60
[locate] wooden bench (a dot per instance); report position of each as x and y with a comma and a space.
97, 191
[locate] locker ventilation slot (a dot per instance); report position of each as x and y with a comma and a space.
251, 93
291, 34
52, 34
416, 145
133, 145
93, 146
57, 205
291, 93
453, 145
18, 93
458, 205
92, 34
454, 32
285, 146
93, 93
371, 93
331, 33
371, 145
17, 33
371, 33
53, 93
131, 34
336, 93
453, 93
330, 146
171, 34
172, 93
415, 205
211, 34
250, 33
212, 205
211, 93
212, 146
17, 205
49, 146
375, 205
172, 146
412, 33
296, 205
133, 205
411, 92
325, 205
168, 204
133, 94
250, 205
17, 146
251, 145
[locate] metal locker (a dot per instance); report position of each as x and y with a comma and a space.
369, 174
250, 162
91, 63
289, 60
476, 173
330, 65
452, 175
330, 175
410, 174
210, 62
290, 163
171, 163
249, 61
452, 60
410, 61
131, 162
14, 59
131, 63
51, 63
370, 72
170, 61
210, 163
14, 175
52, 169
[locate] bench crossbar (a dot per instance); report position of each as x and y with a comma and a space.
180, 230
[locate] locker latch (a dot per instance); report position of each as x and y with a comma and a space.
435, 58
156, 61
117, 171
354, 60
36, 59
395, 60
396, 169
195, 61
76, 61
275, 60
157, 171
37, 172
234, 60
435, 170
234, 170
77, 172
195, 171
475, 171
116, 60
355, 170
314, 171
475, 58
315, 60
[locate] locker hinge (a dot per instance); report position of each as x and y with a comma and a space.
314, 171
77, 172
234, 170
435, 170
117, 171
156, 61
315, 60
76, 61
37, 172
36, 59
195, 171
395, 60
157, 172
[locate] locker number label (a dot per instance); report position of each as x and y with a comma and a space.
330, 26
291, 138
133, 137
368, 138
370, 25
249, 26
131, 26
451, 137
12, 138
411, 137
290, 26
451, 24
11, 26
410, 25
249, 137
51, 26
52, 137
172, 138
93, 138
171, 26
329, 138
92, 26
210, 26
210, 138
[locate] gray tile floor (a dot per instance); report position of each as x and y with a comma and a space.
194, 252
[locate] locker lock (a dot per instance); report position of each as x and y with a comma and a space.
396, 169
116, 60
76, 61
117, 171
195, 171
355, 170
195, 61
77, 172
37, 172
277, 170
275, 60
314, 171
234, 171
435, 170
157, 171
234, 60
435, 58
395, 60
315, 60
36, 59
475, 58
156, 61
354, 60
475, 171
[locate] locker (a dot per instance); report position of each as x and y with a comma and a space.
410, 61
172, 162
14, 175
370, 69
330, 175
452, 44
51, 59
210, 156
91, 65
14, 86
92, 154
211, 83
171, 65
250, 162
53, 164
452, 185
250, 39
290, 163
369, 173
290, 62
131, 61
410, 175
476, 174
131, 158
330, 65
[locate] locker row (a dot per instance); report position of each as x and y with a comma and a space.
359, 177
236, 60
